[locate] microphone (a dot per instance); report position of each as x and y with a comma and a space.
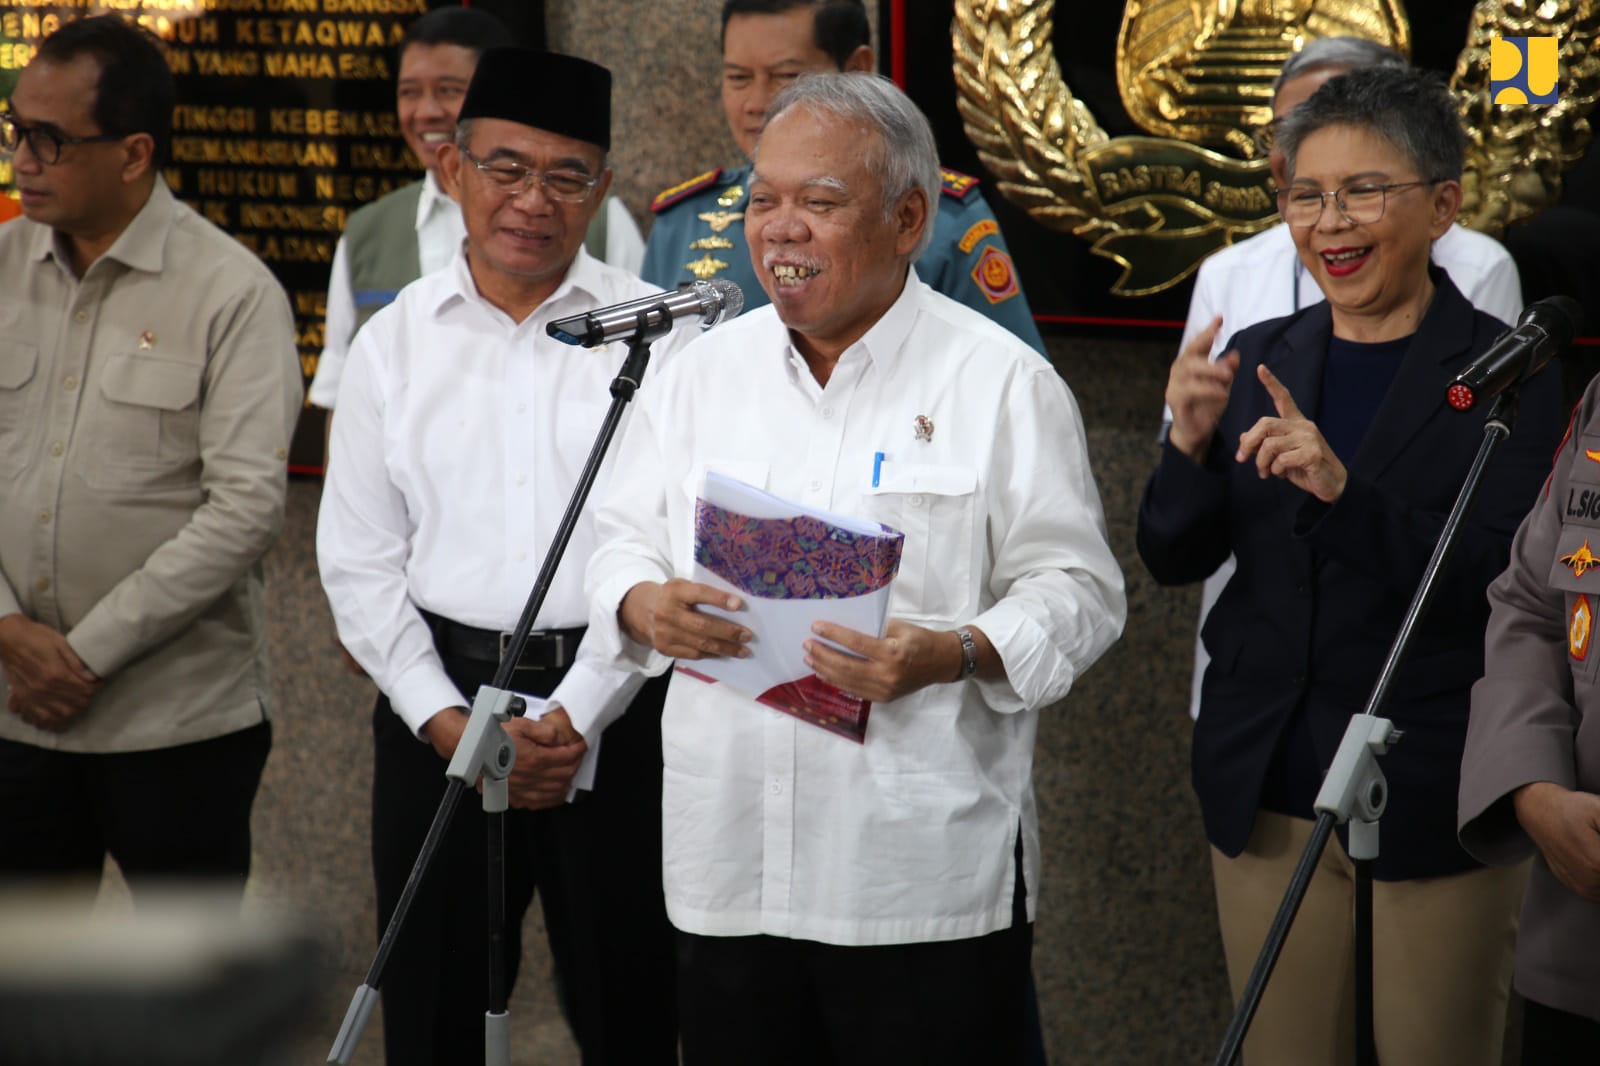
1546, 327
650, 317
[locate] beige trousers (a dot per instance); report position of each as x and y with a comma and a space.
1441, 961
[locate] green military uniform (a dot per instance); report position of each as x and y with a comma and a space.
699, 234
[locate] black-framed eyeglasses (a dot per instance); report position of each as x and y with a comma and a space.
1360, 202
564, 186
1265, 135
45, 142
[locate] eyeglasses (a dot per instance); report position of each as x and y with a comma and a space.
1265, 135
45, 142
1361, 203
563, 186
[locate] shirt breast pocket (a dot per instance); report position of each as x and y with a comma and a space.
935, 506
149, 422
18, 364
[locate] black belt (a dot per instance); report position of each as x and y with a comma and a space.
547, 649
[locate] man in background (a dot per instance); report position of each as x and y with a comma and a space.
148, 389
699, 231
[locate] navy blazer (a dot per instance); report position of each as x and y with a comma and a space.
1320, 590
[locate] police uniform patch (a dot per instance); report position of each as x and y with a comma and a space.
994, 275
969, 240
1580, 626
667, 197
956, 184
1581, 561
1591, 455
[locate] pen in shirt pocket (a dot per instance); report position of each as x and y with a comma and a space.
877, 467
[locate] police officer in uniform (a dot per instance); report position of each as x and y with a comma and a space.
699, 226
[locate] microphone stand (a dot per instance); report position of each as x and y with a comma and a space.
486, 752
1354, 789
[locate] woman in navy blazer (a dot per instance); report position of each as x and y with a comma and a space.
1321, 453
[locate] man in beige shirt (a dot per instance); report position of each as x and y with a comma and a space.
148, 389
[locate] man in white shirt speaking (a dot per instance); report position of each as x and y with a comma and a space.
842, 902
460, 432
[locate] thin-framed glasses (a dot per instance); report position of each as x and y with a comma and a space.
45, 142
564, 186
1361, 202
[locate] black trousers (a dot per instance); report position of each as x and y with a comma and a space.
781, 1002
1552, 1037
179, 813
595, 865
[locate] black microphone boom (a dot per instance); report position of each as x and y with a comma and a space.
650, 317
1545, 328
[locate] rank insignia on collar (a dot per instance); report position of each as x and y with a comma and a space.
922, 428
1580, 626
720, 220
1581, 561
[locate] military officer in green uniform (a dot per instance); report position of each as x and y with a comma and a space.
699, 224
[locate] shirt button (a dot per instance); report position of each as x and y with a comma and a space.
44, 517
70, 383
915, 501
777, 789
56, 448
42, 584
522, 479
81, 316
816, 486
522, 557
827, 412
522, 408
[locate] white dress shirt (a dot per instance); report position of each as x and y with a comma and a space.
458, 438
439, 234
775, 826
1262, 278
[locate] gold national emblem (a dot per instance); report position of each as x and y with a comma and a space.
706, 267
1580, 561
731, 196
1580, 626
1198, 78
720, 220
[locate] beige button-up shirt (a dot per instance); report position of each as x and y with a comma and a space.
145, 416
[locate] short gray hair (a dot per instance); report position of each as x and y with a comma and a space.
903, 157
1411, 109
1341, 53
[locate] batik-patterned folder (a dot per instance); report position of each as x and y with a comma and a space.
792, 566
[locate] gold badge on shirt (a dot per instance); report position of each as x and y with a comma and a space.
1580, 626
731, 196
720, 220
705, 267
1581, 561
147, 340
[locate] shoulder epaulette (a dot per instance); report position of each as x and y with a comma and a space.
667, 197
956, 184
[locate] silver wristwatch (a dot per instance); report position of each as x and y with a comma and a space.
969, 652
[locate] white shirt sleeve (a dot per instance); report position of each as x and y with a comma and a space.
363, 546
1499, 291
339, 325
1061, 600
624, 242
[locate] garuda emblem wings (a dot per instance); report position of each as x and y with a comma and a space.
1197, 75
